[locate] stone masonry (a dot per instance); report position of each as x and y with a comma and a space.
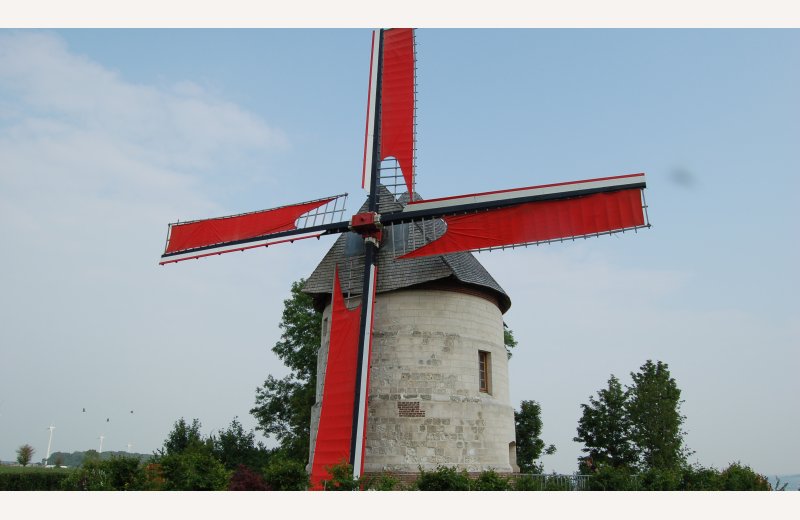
425, 404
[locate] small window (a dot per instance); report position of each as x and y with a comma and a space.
485, 371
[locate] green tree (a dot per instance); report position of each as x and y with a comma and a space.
654, 411
530, 446
508, 339
283, 406
233, 447
605, 428
25, 454
187, 462
182, 437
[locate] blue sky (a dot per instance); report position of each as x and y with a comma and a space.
107, 135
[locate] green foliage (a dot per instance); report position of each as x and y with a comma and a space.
698, 478
738, 477
187, 461
282, 474
383, 482
183, 437
193, 470
660, 479
234, 447
610, 478
32, 479
25, 454
528, 428
655, 418
490, 481
283, 406
605, 428
442, 479
508, 340
115, 474
341, 478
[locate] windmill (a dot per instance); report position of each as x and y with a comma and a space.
49, 443
472, 222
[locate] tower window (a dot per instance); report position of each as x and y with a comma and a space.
485, 371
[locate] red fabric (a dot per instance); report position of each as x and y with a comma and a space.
229, 229
535, 221
335, 429
397, 100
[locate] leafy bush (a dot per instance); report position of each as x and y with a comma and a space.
383, 482
698, 478
737, 477
528, 483
115, 474
490, 481
341, 478
609, 478
286, 475
442, 479
193, 470
245, 479
660, 480
32, 479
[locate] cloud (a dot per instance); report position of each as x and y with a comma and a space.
92, 167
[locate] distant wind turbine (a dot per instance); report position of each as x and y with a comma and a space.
101, 442
130, 445
49, 444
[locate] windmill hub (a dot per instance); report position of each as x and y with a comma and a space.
368, 225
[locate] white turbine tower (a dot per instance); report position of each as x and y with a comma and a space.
49, 444
101, 442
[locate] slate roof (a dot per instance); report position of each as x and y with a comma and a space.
394, 274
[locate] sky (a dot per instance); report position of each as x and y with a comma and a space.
108, 135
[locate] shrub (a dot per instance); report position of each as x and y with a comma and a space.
698, 478
660, 480
114, 474
490, 481
286, 475
737, 477
193, 470
442, 479
528, 483
341, 478
245, 479
383, 482
609, 478
32, 479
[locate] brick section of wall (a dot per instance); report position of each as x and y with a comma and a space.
409, 409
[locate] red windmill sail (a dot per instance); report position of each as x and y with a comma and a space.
476, 221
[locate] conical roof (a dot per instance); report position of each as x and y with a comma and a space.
454, 270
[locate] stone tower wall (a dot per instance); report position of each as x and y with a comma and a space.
425, 405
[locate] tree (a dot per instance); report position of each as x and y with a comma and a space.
528, 428
187, 462
283, 406
25, 454
182, 437
508, 339
234, 448
654, 411
605, 428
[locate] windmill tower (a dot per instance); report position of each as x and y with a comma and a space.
445, 229
438, 392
